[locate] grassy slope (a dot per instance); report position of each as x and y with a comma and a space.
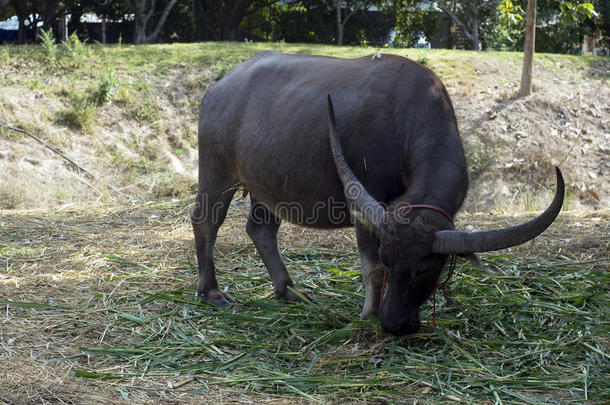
142, 144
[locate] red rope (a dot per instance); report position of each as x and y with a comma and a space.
385, 273
451, 271
429, 207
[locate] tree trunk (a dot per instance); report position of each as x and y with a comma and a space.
199, 20
21, 34
339, 23
143, 17
528, 49
155, 34
473, 18
475, 34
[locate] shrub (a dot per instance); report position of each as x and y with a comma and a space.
75, 49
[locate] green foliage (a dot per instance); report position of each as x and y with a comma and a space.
49, 47
572, 13
80, 113
511, 14
411, 20
103, 93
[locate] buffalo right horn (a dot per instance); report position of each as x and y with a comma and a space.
448, 242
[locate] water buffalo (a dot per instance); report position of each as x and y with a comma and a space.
390, 163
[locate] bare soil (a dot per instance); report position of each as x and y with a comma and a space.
513, 143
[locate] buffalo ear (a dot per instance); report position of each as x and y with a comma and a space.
471, 257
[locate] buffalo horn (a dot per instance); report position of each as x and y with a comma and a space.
369, 209
448, 242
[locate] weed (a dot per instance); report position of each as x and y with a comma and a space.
49, 46
220, 69
134, 164
76, 50
79, 114
189, 135
33, 82
422, 60
103, 93
173, 185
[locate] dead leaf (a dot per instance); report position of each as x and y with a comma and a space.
593, 194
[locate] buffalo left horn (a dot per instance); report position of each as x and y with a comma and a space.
448, 242
368, 208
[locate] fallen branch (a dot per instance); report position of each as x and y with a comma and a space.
50, 147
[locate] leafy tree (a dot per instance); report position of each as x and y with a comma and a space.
411, 19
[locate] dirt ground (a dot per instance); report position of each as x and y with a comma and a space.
565, 123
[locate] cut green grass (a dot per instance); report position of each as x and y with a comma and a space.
529, 326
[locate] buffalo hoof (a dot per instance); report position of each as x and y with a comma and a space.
217, 297
368, 314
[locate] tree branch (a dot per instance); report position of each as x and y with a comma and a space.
455, 18
486, 3
353, 11
157, 30
50, 147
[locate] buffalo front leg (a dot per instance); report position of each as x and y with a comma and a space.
262, 228
207, 216
372, 271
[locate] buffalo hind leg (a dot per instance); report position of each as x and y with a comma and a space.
207, 216
372, 271
262, 228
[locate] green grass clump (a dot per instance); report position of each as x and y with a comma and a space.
107, 84
79, 114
